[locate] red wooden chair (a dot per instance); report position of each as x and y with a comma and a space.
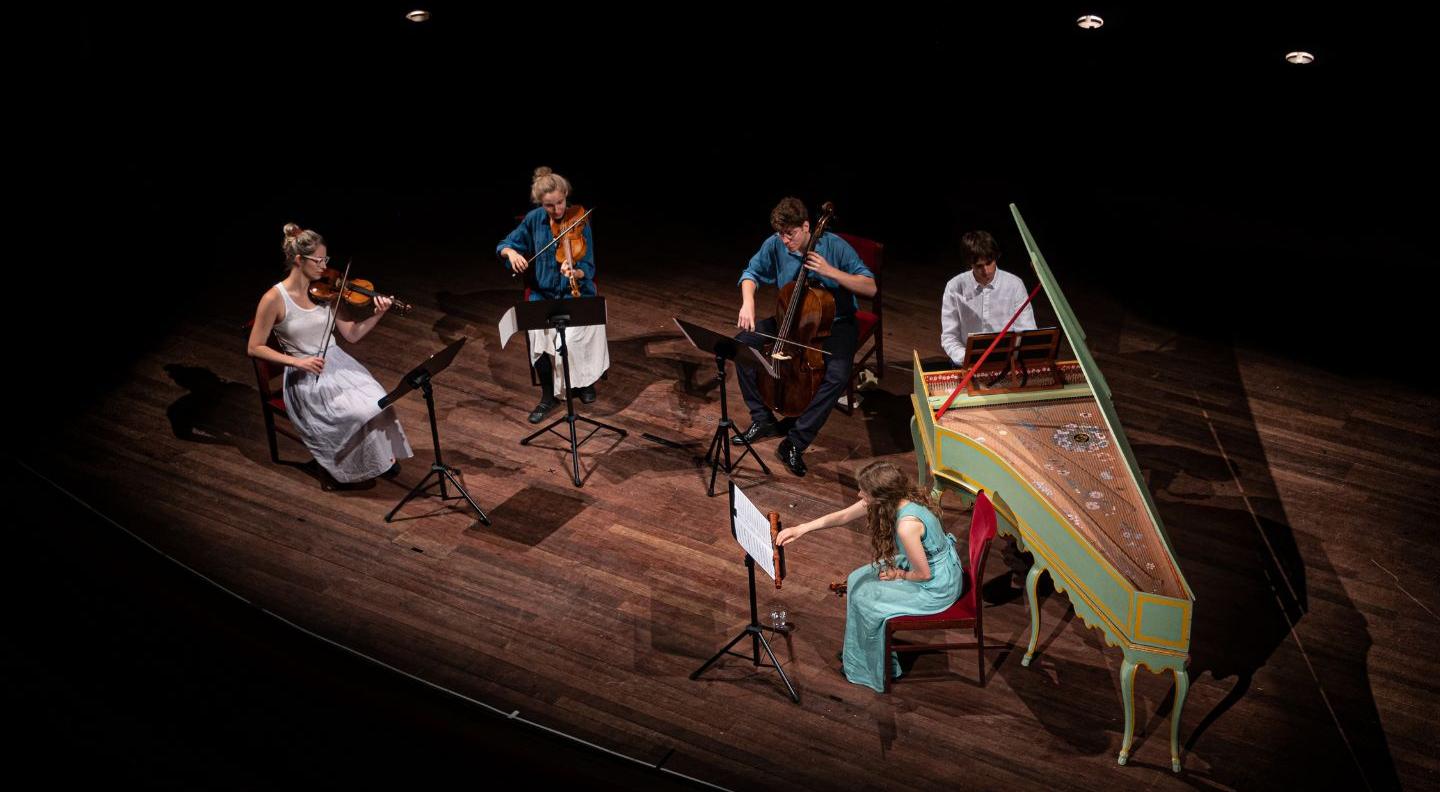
966, 612
869, 323
272, 401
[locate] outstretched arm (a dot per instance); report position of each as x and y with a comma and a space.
850, 513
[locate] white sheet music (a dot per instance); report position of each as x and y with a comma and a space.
752, 531
507, 326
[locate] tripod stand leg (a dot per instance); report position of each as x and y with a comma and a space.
461, 489
574, 454
749, 449
570, 418
722, 439
715, 443
719, 654
776, 663
414, 492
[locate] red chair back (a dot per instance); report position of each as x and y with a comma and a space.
982, 531
266, 373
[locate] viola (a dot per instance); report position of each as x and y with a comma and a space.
569, 233
358, 291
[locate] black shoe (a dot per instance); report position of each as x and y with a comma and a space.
538, 414
587, 394
392, 472
756, 432
791, 456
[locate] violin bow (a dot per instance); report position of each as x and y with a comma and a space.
335, 309
557, 238
791, 343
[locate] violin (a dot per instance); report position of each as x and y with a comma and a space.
358, 291
569, 233
803, 315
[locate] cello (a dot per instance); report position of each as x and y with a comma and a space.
804, 312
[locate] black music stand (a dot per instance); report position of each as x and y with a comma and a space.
755, 630
419, 377
725, 348
560, 314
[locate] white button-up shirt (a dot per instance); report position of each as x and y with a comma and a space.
969, 308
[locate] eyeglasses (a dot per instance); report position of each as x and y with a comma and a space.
789, 233
321, 261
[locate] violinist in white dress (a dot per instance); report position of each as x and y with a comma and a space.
332, 400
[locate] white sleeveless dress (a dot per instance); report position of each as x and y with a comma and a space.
337, 413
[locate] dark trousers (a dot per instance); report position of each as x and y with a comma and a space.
546, 374
838, 364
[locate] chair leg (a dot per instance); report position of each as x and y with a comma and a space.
849, 406
880, 352
980, 650
270, 435
885, 675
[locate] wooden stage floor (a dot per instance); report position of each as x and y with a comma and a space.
1301, 504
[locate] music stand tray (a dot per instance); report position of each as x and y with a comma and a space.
561, 314
420, 377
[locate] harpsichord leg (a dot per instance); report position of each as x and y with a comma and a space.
1032, 582
1182, 685
1127, 695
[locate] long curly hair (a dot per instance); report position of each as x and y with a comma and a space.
885, 485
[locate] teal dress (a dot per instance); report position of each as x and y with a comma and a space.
872, 600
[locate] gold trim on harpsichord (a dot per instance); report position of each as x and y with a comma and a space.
1131, 635
1143, 597
1103, 562
1075, 335
964, 400
1137, 653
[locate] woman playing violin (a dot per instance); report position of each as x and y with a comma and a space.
564, 270
837, 268
330, 398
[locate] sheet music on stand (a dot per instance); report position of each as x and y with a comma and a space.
752, 531
508, 325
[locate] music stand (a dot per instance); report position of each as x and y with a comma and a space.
560, 314
420, 377
752, 539
1019, 354
725, 348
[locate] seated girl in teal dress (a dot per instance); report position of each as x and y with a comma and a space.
915, 572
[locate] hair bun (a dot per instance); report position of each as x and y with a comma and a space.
541, 172
292, 230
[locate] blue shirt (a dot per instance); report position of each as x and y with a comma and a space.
543, 277
775, 265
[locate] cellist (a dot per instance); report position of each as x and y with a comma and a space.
835, 267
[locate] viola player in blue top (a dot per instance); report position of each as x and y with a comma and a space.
549, 277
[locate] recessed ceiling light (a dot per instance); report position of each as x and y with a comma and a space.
418, 15
1090, 22
1300, 57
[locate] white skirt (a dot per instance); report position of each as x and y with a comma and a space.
340, 420
587, 348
